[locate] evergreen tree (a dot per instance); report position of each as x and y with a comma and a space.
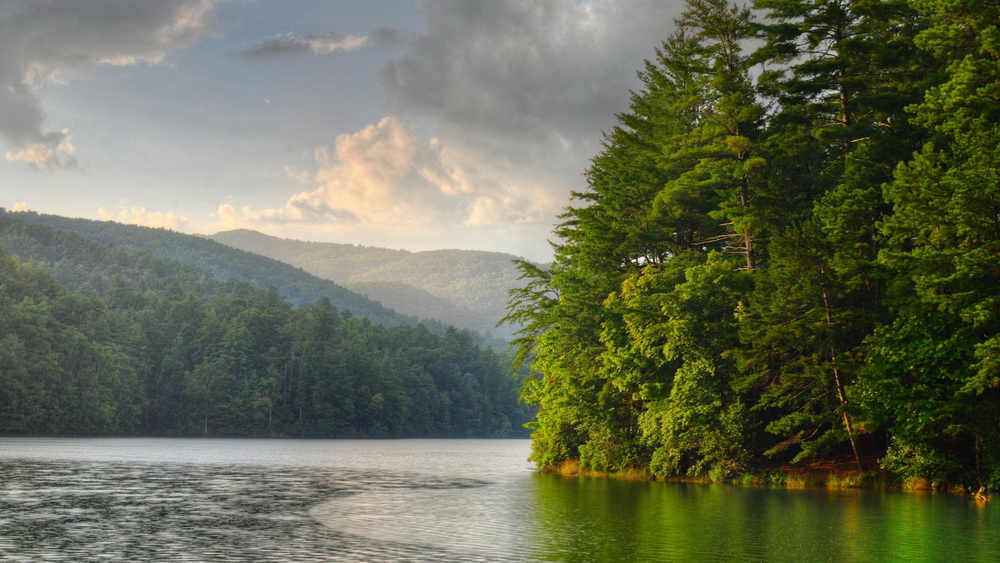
946, 235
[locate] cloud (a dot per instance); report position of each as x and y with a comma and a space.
387, 179
524, 88
139, 216
383, 175
45, 41
55, 149
19, 207
320, 43
510, 100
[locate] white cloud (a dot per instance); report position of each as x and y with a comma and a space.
139, 216
228, 218
522, 90
388, 182
49, 41
383, 175
44, 154
19, 207
513, 97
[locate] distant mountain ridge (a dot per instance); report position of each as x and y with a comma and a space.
344, 266
101, 338
470, 281
224, 262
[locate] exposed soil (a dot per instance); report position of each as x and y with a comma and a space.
840, 465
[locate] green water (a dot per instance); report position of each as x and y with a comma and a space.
145, 499
604, 520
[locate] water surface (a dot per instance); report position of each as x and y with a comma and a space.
433, 500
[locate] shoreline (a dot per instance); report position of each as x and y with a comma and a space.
822, 475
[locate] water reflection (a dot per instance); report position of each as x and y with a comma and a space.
482, 522
223, 500
602, 520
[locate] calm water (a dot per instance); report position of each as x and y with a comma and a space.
433, 500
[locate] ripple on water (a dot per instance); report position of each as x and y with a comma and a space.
86, 511
80, 511
227, 500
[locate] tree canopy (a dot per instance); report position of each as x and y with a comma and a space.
98, 340
784, 253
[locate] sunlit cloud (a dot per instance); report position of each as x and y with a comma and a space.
19, 207
521, 91
55, 151
384, 175
139, 216
387, 182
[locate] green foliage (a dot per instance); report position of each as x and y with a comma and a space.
911, 461
59, 376
742, 288
157, 347
222, 262
694, 418
945, 240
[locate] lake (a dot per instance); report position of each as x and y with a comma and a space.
140, 499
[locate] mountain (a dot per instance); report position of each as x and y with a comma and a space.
420, 303
459, 281
340, 263
222, 261
99, 340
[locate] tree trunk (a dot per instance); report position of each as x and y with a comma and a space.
840, 390
747, 236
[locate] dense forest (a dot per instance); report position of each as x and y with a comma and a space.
221, 261
788, 248
95, 339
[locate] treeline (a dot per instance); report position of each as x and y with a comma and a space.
96, 340
785, 252
222, 262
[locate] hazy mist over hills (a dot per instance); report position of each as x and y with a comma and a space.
112, 338
466, 288
221, 261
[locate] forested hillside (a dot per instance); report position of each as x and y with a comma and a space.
417, 302
98, 340
463, 281
341, 263
223, 263
785, 253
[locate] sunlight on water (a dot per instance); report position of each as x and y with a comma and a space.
413, 500
482, 521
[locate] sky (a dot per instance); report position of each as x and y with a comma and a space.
393, 123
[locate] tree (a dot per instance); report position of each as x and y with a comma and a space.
800, 331
946, 236
679, 324
722, 147
680, 163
